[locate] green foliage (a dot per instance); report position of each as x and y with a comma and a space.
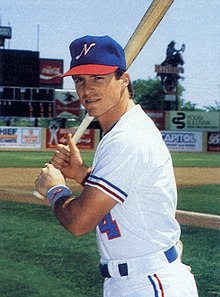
213, 108
25, 122
37, 122
186, 105
149, 94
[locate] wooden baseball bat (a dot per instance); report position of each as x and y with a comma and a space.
145, 28
142, 33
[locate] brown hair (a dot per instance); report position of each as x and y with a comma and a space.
118, 74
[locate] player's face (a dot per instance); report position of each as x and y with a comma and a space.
101, 95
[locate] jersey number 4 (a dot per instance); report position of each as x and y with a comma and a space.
109, 226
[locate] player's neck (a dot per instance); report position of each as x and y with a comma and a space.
107, 121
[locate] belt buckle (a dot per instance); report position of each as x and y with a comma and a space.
123, 269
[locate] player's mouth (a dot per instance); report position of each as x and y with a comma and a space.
92, 100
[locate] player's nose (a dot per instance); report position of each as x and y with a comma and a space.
88, 88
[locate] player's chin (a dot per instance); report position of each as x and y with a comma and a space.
92, 111
93, 108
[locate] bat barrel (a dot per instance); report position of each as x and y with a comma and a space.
145, 28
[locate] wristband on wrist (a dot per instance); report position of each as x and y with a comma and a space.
85, 179
58, 192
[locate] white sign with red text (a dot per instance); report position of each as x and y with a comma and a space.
20, 137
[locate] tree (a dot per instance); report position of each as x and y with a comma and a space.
150, 95
186, 105
213, 108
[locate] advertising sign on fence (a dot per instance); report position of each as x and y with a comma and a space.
194, 121
20, 137
213, 141
55, 135
183, 141
158, 116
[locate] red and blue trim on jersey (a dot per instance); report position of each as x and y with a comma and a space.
106, 187
157, 285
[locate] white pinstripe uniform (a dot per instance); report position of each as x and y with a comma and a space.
133, 166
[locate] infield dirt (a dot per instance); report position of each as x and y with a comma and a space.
17, 184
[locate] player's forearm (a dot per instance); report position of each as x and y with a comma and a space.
70, 213
80, 215
68, 209
63, 213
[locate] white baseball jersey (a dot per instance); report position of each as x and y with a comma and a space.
133, 166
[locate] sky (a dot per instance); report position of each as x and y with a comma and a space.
51, 25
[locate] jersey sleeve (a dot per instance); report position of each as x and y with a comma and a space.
115, 167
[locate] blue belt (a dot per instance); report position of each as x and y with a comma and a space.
170, 254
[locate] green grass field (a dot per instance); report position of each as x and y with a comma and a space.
211, 160
204, 198
40, 259
20, 159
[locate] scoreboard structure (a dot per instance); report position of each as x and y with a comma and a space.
19, 68
26, 102
27, 83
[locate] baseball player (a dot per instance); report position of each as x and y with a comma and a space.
53, 127
129, 194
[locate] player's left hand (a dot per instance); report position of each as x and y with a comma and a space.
48, 178
69, 161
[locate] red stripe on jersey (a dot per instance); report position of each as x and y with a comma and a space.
106, 189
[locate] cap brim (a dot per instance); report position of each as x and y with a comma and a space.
90, 69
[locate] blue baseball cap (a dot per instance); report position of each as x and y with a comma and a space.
95, 55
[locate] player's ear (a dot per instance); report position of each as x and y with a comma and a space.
125, 78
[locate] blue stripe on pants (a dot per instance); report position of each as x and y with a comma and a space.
154, 286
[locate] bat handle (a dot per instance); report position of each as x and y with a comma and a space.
38, 195
82, 128
76, 137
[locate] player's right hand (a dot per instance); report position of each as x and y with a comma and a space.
48, 178
69, 161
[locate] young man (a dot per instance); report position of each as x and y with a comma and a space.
129, 193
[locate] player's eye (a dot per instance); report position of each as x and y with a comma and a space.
98, 77
77, 79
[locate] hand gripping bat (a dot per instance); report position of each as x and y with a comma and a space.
77, 135
140, 36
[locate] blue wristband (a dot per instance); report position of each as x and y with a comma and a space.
58, 192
